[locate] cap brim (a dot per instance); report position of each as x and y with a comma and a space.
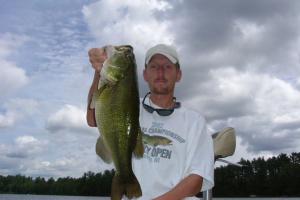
171, 58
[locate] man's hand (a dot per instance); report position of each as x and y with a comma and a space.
97, 56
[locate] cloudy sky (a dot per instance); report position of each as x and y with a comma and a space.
240, 62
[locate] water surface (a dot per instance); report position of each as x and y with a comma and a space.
54, 197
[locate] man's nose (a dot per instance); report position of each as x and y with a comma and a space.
160, 70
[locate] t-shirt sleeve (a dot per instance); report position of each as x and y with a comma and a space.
200, 156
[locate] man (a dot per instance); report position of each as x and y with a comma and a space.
184, 167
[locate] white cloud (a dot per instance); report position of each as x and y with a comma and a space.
298, 84
12, 77
61, 164
264, 94
26, 140
25, 146
261, 107
16, 110
23, 106
128, 22
251, 32
73, 166
9, 42
6, 120
68, 117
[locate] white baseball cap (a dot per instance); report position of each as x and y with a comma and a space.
163, 49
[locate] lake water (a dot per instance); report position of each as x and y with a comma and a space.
53, 197
47, 197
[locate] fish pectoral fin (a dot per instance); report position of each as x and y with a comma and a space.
102, 151
139, 146
155, 140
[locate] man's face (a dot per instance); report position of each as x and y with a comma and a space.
161, 75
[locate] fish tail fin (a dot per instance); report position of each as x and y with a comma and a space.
119, 188
139, 147
133, 188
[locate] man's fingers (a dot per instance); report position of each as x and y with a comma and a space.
97, 52
97, 56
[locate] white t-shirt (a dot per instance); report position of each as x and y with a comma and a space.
191, 152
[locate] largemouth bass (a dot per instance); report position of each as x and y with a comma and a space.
117, 116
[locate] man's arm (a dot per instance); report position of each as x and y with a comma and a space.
90, 113
96, 56
189, 186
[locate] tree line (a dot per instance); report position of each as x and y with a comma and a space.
275, 176
90, 184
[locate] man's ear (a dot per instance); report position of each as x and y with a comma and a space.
145, 75
178, 76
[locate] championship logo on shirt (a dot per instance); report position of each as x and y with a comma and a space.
157, 143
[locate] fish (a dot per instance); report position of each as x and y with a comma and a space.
116, 104
155, 140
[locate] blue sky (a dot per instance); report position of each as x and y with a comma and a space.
240, 62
